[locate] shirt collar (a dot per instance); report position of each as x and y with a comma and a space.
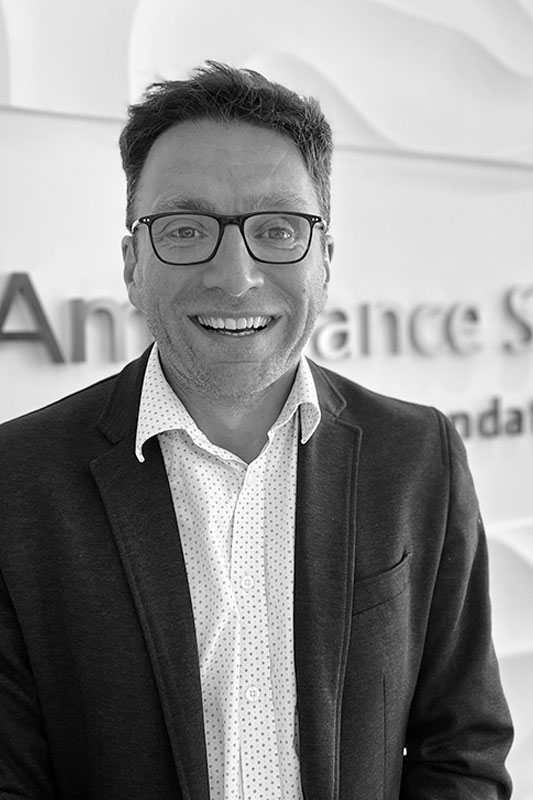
302, 396
160, 409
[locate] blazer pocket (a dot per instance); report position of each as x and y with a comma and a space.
371, 592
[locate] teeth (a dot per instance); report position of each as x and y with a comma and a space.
234, 323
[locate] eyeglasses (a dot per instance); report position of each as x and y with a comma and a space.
181, 238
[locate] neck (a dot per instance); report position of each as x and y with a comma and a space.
239, 426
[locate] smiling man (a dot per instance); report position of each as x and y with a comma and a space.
235, 215
228, 573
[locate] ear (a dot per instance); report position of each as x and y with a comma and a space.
132, 277
329, 246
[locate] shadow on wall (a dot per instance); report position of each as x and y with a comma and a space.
373, 69
385, 59
51, 48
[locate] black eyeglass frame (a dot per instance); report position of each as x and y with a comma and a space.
223, 221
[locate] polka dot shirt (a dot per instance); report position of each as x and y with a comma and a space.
236, 524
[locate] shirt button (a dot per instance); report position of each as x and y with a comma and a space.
247, 582
252, 694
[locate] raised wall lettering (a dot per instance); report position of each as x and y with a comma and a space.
19, 284
518, 303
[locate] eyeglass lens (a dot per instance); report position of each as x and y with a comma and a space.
190, 238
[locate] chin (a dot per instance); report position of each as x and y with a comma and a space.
241, 381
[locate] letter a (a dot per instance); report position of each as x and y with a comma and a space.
19, 283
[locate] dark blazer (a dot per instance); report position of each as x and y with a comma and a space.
99, 680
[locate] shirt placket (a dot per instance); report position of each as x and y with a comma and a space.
259, 747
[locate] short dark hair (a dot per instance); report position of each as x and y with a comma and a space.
225, 94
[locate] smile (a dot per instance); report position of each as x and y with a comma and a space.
234, 326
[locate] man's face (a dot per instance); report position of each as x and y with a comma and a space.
226, 169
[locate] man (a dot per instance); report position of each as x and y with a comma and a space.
226, 572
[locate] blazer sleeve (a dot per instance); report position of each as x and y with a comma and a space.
459, 729
24, 761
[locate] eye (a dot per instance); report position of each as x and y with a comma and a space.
277, 231
185, 232
180, 230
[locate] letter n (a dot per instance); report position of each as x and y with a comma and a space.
19, 283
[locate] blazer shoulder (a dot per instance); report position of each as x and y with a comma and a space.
73, 417
401, 423
78, 410
364, 401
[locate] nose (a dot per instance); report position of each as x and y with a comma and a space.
232, 268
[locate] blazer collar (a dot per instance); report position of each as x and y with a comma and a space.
119, 416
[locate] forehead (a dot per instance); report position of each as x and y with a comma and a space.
228, 166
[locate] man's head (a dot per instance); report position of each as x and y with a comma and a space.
228, 257
222, 93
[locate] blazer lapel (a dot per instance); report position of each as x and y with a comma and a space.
324, 574
139, 506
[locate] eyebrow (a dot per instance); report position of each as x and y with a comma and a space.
185, 204
268, 202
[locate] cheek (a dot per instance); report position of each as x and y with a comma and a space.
317, 287
136, 292
317, 303
310, 299
154, 286
322, 299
